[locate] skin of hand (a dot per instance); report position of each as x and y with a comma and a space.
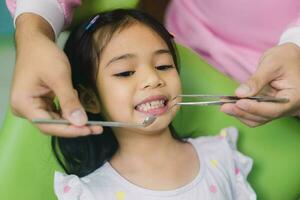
42, 71
277, 75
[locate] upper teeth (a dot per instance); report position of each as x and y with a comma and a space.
151, 105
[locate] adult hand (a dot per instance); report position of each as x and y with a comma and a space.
42, 72
277, 75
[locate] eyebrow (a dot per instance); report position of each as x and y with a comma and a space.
162, 51
130, 55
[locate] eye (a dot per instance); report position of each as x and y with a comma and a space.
125, 74
164, 67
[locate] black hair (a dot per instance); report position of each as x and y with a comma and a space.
82, 155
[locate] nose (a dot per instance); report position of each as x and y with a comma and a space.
152, 79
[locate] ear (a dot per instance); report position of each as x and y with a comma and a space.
89, 100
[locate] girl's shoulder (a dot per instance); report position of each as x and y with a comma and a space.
220, 156
222, 148
70, 187
224, 142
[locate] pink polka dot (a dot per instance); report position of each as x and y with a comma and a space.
223, 134
237, 171
67, 189
213, 188
221, 137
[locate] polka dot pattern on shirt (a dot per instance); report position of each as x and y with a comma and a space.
120, 195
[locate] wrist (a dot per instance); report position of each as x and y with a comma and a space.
51, 11
30, 25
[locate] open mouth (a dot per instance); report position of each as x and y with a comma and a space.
156, 105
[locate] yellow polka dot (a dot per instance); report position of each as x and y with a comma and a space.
120, 195
214, 163
223, 133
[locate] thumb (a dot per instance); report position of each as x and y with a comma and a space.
69, 102
261, 78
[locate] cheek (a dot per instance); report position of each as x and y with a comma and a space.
116, 99
174, 83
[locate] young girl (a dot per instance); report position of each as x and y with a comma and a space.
124, 68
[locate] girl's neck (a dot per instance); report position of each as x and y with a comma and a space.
143, 146
153, 160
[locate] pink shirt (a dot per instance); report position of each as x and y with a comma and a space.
231, 35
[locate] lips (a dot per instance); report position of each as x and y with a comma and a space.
154, 105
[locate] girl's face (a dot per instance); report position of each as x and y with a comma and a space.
137, 77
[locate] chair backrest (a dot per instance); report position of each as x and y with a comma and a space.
27, 164
90, 7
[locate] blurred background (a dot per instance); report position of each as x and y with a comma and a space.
7, 57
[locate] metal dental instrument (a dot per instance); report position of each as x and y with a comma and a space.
150, 119
147, 121
224, 99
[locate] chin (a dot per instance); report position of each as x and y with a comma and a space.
160, 124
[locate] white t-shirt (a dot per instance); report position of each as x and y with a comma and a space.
222, 175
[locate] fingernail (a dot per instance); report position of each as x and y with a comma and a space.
243, 89
228, 112
243, 105
78, 118
97, 132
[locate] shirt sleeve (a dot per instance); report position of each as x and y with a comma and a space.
292, 33
242, 166
58, 13
70, 187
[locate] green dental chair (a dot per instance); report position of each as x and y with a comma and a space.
27, 164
